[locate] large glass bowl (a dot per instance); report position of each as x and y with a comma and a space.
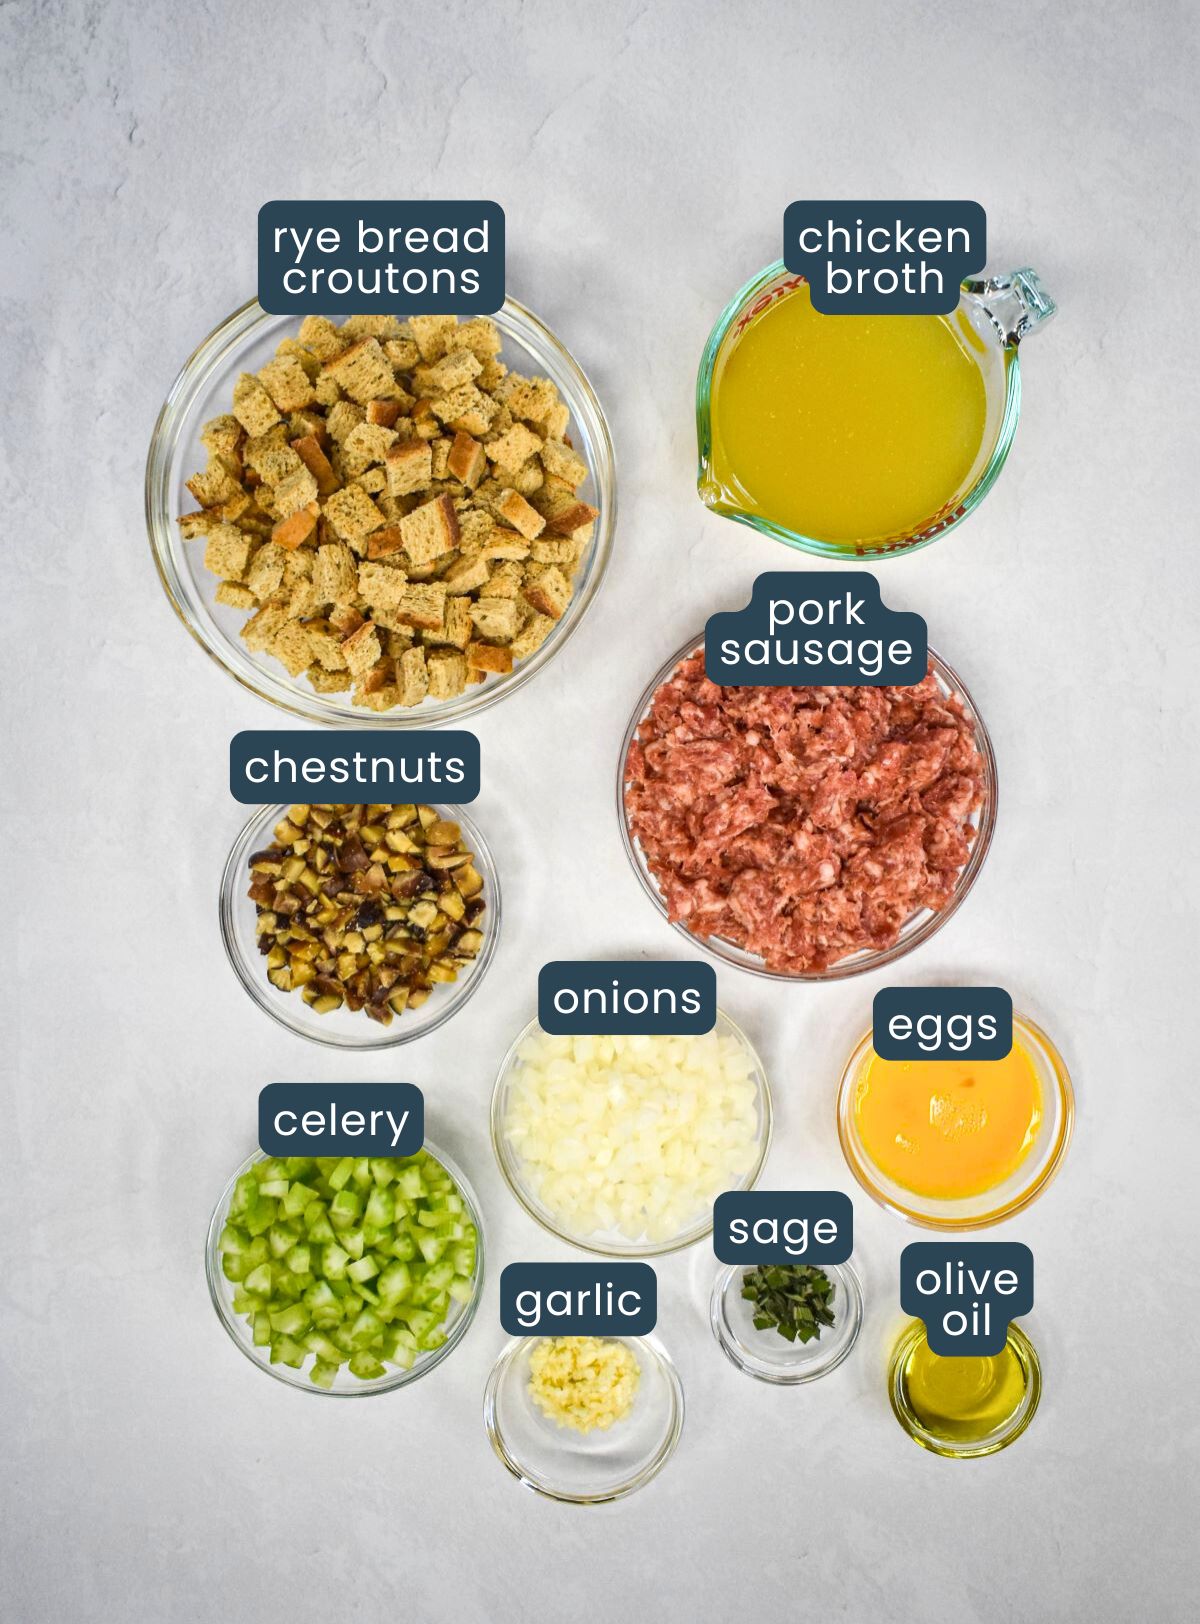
611, 1242
917, 929
584, 1469
345, 1028
344, 1384
1039, 1165
246, 341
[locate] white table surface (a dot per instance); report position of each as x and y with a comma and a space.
643, 156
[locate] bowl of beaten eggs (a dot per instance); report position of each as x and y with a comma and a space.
957, 1144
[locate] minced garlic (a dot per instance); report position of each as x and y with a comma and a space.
585, 1382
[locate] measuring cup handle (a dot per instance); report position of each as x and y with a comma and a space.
1016, 303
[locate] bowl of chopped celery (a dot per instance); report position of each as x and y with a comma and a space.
584, 1419
346, 1275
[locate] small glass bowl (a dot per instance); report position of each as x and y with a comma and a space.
584, 1469
344, 1028
766, 1355
610, 1243
1035, 1172
957, 1448
916, 930
344, 1384
246, 341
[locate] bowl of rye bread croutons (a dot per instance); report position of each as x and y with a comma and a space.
381, 522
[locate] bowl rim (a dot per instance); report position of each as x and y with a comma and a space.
859, 552
297, 1379
284, 692
866, 960
932, 1213
634, 1249
380, 1037
954, 1449
649, 1344
784, 1375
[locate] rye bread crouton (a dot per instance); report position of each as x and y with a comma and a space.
324, 681
489, 657
423, 606
311, 454
367, 443
363, 372
456, 629
223, 434
295, 530
547, 590
466, 409
326, 646
227, 552
447, 673
467, 460
263, 626
384, 413
367, 326
218, 483
383, 543
409, 467
381, 586
290, 646
563, 462
481, 336
296, 491
253, 406
505, 581
326, 392
516, 511
430, 530
361, 650
343, 419
432, 335
235, 596
412, 676
352, 513
514, 447
287, 383
318, 334
548, 549
335, 574
466, 575
456, 368
265, 575
532, 635
402, 353
495, 619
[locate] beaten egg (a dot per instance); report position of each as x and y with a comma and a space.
948, 1129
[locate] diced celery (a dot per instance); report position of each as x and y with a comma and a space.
363, 1269
394, 1282
340, 1176
334, 1261
322, 1374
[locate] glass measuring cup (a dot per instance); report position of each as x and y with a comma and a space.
995, 315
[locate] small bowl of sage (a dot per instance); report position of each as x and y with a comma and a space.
786, 1323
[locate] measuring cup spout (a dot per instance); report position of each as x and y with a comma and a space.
1016, 304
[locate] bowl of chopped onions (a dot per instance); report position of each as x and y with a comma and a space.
620, 1144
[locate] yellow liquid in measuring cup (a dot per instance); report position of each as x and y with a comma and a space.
848, 428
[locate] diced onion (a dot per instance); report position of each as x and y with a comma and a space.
635, 1135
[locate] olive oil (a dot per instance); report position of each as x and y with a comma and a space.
972, 1404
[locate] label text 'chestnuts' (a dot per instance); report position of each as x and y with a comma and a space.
363, 766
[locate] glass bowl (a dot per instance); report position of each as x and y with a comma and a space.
917, 929
958, 1448
611, 1242
766, 1355
584, 1469
344, 1384
344, 1028
1025, 1184
245, 341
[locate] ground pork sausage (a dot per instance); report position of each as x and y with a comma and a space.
802, 824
